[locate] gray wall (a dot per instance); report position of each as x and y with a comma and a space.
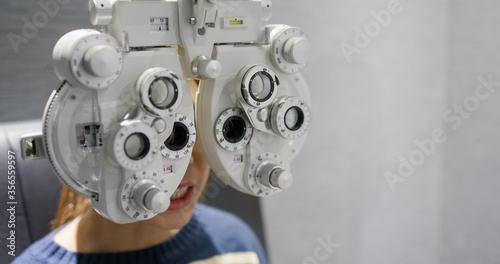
471, 219
368, 114
27, 77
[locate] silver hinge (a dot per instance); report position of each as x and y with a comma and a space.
32, 147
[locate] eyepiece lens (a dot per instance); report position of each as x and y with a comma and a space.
294, 118
163, 93
136, 146
261, 87
234, 129
179, 137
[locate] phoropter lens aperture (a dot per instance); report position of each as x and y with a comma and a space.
234, 129
163, 93
136, 146
294, 118
261, 87
179, 137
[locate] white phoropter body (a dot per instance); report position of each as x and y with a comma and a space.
121, 127
259, 116
113, 141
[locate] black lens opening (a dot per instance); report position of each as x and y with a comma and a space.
234, 129
179, 138
294, 118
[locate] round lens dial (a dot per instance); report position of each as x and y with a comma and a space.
290, 117
160, 91
135, 145
258, 86
181, 141
233, 131
163, 93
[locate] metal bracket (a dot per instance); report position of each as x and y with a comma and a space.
32, 147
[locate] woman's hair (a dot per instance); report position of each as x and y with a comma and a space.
71, 205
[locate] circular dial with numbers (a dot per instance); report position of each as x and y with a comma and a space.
257, 85
144, 195
181, 142
291, 49
135, 145
160, 91
233, 129
96, 61
266, 175
290, 117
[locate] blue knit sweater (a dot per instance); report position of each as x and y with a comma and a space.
211, 234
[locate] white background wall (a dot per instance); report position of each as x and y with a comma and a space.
367, 115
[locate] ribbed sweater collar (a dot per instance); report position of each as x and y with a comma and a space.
173, 249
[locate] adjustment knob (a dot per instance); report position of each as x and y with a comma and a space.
100, 12
156, 200
149, 197
291, 49
297, 50
281, 179
273, 176
205, 68
82, 57
101, 61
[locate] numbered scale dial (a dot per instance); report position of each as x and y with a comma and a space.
95, 59
233, 131
291, 49
259, 85
181, 141
266, 175
135, 145
144, 195
290, 117
160, 91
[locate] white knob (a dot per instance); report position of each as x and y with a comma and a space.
263, 115
100, 12
206, 68
281, 179
273, 176
297, 50
101, 61
160, 125
148, 196
156, 200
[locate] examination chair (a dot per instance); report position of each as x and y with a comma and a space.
37, 193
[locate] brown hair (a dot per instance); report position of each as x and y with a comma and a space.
71, 205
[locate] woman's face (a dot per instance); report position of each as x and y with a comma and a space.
186, 196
